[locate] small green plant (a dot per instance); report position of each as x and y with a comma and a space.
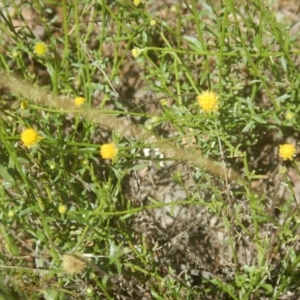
149, 150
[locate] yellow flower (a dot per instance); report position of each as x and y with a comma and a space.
40, 48
136, 52
152, 22
30, 137
289, 115
84, 162
78, 101
208, 101
73, 263
10, 214
24, 104
136, 2
52, 165
62, 209
287, 151
108, 151
163, 102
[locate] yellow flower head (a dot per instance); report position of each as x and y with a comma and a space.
152, 22
24, 104
30, 137
10, 214
62, 209
136, 2
73, 263
163, 102
287, 151
78, 101
289, 115
208, 101
108, 151
136, 52
40, 48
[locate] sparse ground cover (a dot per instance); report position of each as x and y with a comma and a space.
149, 150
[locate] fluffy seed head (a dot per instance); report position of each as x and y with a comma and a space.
73, 263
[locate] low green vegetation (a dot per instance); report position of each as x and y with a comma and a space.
149, 150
